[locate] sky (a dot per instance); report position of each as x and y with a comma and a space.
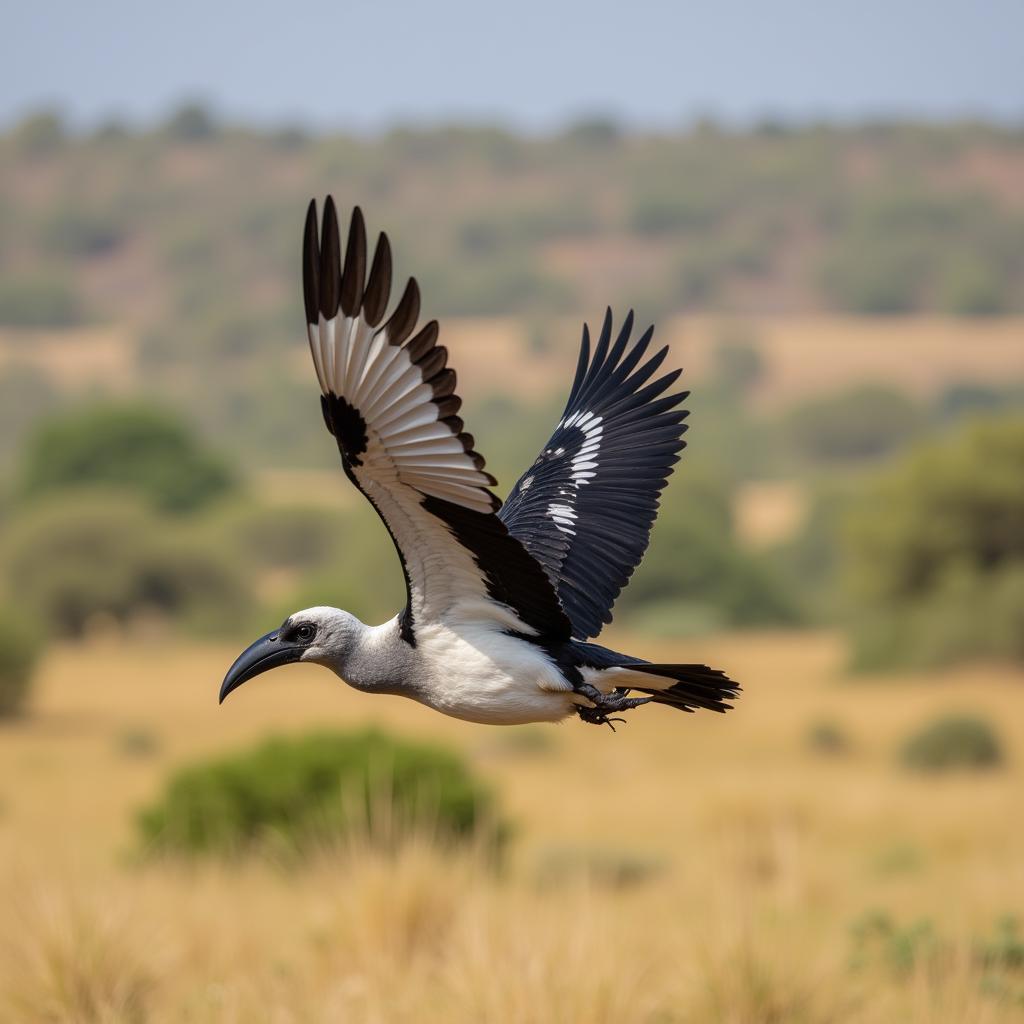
532, 64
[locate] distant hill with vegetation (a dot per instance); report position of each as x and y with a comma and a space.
170, 254
852, 298
192, 227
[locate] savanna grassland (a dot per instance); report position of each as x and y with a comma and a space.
697, 868
848, 305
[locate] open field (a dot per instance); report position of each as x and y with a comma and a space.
697, 868
803, 355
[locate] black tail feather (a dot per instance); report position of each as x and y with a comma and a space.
697, 686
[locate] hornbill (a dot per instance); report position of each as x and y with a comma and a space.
501, 598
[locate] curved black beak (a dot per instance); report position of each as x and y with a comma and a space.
268, 652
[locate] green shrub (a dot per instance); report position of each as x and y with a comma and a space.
285, 536
288, 795
38, 302
934, 554
809, 561
191, 122
862, 423
696, 575
828, 737
41, 132
19, 648
971, 286
105, 556
77, 232
953, 742
133, 448
875, 276
137, 742
738, 364
878, 940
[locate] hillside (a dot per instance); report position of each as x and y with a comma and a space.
164, 260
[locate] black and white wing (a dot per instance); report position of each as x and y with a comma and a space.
389, 399
584, 509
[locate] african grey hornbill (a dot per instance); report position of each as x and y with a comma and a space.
501, 598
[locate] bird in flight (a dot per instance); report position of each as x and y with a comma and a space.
502, 599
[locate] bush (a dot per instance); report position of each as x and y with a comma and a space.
695, 576
828, 737
289, 795
40, 132
862, 423
876, 276
19, 647
972, 286
38, 302
75, 232
289, 537
191, 122
809, 561
738, 364
105, 557
934, 553
129, 447
953, 742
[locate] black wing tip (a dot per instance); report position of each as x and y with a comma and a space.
311, 265
349, 289
407, 312
378, 284
353, 277
330, 261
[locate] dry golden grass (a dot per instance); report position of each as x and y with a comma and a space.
803, 355
74, 360
769, 511
756, 853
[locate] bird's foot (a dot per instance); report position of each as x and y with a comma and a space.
606, 705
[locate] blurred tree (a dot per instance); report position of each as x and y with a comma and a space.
863, 423
953, 741
934, 552
959, 400
106, 557
39, 302
695, 575
810, 560
74, 231
594, 130
972, 286
191, 122
738, 365
40, 132
875, 276
20, 646
129, 447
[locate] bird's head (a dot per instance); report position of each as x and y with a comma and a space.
320, 635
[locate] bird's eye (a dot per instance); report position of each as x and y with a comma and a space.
305, 632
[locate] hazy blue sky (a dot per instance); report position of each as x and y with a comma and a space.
533, 63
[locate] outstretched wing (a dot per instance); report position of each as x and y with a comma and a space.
584, 509
389, 399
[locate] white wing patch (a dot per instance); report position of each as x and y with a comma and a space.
583, 468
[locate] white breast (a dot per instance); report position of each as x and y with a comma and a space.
477, 672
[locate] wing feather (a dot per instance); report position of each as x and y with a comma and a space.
388, 397
585, 507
